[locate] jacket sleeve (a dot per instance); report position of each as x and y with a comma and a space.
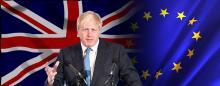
59, 78
58, 81
127, 71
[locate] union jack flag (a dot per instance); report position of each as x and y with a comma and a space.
33, 32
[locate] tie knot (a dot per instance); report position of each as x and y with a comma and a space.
88, 50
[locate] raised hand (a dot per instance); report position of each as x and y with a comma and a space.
51, 72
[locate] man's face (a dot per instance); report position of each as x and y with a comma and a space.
88, 31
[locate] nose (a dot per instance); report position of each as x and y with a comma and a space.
89, 33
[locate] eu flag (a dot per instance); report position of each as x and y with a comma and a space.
179, 42
33, 32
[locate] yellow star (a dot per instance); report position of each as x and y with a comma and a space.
190, 53
192, 21
147, 15
181, 15
158, 73
177, 67
196, 35
133, 60
134, 26
129, 43
163, 12
145, 74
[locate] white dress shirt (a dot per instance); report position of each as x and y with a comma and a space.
92, 56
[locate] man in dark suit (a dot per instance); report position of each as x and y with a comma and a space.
93, 62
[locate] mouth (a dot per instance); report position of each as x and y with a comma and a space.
89, 39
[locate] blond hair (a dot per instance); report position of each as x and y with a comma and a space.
87, 13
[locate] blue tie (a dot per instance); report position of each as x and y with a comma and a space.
87, 66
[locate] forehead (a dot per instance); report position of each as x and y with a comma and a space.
89, 17
89, 22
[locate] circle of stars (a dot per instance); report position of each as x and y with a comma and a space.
176, 66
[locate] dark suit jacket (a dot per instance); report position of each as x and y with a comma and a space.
105, 54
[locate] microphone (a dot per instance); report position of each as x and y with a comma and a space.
113, 69
114, 65
77, 72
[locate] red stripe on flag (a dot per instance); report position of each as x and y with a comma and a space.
29, 68
50, 43
73, 13
119, 15
34, 22
38, 43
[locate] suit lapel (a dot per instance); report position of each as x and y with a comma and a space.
99, 61
77, 60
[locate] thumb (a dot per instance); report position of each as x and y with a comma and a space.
46, 66
56, 65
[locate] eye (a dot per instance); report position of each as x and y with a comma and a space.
85, 29
93, 29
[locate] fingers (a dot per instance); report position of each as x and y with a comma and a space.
46, 67
55, 66
50, 79
51, 72
51, 76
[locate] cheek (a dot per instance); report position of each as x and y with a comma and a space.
81, 34
98, 35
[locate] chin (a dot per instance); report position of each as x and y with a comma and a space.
88, 45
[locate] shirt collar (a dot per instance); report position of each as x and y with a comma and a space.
94, 48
